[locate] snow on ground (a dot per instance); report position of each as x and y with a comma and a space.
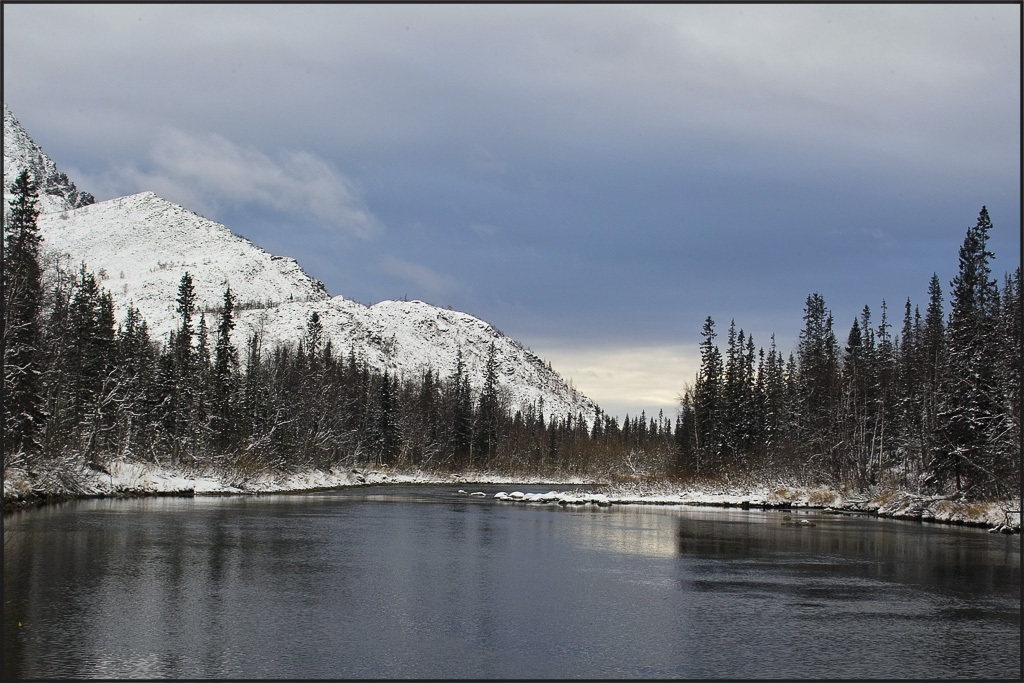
134, 478
996, 516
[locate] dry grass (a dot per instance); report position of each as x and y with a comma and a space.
821, 497
975, 510
782, 495
884, 496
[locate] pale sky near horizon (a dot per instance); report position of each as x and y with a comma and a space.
593, 180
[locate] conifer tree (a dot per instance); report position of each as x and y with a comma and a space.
909, 393
1007, 437
462, 414
225, 368
751, 409
488, 412
818, 381
183, 375
885, 371
732, 395
427, 421
186, 309
387, 431
596, 430
964, 457
313, 339
21, 332
774, 402
684, 435
91, 359
136, 361
853, 413
933, 360
707, 398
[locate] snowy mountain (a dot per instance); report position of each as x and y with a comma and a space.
56, 191
140, 245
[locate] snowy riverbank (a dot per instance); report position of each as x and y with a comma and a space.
1001, 516
127, 479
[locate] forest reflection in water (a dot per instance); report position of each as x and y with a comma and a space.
420, 582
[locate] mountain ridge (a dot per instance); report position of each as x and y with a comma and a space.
140, 245
56, 191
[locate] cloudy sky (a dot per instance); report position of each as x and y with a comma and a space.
592, 180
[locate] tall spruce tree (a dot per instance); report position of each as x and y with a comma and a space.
91, 359
964, 457
21, 332
462, 414
488, 414
183, 378
732, 395
387, 434
885, 369
136, 361
1007, 431
225, 368
909, 392
314, 337
775, 432
707, 399
853, 420
818, 381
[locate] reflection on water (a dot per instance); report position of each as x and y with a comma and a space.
631, 529
422, 582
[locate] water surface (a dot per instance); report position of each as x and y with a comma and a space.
397, 582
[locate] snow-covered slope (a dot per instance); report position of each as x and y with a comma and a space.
409, 337
56, 191
141, 245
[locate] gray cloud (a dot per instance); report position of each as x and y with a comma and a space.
426, 281
355, 77
209, 173
599, 172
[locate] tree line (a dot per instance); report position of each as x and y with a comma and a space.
935, 407
81, 385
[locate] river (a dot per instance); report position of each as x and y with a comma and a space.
424, 582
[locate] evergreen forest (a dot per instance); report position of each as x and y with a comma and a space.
934, 407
